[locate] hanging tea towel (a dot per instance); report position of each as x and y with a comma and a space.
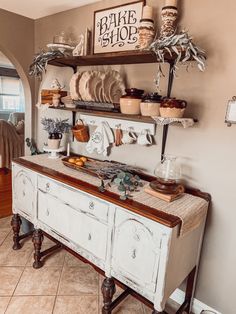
100, 140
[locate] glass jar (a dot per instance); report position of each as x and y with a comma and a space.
168, 169
60, 38
150, 104
130, 103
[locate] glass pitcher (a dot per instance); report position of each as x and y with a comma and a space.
168, 169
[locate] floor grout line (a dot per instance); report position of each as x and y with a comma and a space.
58, 285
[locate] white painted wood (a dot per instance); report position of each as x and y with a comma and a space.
75, 226
147, 256
136, 127
24, 191
136, 245
74, 198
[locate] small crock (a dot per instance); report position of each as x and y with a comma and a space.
130, 103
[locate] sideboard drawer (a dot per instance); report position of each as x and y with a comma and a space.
74, 198
24, 190
76, 226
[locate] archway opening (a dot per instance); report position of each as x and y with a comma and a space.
26, 91
12, 98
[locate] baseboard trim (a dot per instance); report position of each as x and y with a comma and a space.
198, 306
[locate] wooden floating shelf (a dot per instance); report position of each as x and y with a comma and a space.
112, 115
128, 57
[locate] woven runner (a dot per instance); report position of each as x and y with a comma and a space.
190, 209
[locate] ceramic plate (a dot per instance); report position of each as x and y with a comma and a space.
74, 86
83, 85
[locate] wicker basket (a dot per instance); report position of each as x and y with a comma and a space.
81, 132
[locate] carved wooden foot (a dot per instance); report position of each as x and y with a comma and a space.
15, 223
37, 240
108, 290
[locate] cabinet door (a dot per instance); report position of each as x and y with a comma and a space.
136, 251
24, 195
84, 231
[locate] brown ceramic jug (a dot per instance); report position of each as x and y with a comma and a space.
172, 108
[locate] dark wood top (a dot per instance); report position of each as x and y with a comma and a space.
138, 208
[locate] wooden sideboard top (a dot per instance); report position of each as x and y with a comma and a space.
143, 210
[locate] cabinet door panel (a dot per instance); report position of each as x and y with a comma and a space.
136, 252
24, 191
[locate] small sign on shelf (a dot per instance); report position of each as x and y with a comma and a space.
230, 117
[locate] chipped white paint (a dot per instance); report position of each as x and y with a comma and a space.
145, 255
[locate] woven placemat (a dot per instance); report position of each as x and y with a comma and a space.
190, 209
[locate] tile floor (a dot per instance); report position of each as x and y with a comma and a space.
64, 285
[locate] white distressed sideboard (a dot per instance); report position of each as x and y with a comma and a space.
129, 243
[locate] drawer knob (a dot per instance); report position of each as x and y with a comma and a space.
91, 205
47, 212
23, 193
89, 237
134, 254
47, 187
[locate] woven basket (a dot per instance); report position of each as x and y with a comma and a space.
80, 132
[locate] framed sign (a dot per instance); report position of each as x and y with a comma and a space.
116, 29
230, 117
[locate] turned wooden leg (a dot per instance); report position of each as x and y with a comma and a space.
37, 240
15, 223
108, 290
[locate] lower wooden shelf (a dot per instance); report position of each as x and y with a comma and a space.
107, 114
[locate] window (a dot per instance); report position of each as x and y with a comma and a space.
11, 94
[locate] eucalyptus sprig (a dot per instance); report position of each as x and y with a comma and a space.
182, 48
126, 183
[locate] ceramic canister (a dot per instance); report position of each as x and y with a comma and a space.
169, 16
150, 104
130, 103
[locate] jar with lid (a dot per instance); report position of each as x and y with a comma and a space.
150, 104
130, 103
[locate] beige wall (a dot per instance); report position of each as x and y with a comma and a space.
208, 150
17, 43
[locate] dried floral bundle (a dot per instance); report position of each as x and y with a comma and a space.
110, 169
182, 47
38, 67
55, 125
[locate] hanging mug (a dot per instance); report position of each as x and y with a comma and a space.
129, 137
145, 138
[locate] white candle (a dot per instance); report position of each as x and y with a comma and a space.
68, 149
147, 12
171, 3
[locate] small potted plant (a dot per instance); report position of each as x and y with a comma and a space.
55, 128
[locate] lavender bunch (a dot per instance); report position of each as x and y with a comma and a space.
55, 125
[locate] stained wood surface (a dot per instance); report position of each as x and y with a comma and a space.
127, 57
143, 210
112, 115
5, 193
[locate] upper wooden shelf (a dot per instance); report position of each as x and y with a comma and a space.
128, 57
